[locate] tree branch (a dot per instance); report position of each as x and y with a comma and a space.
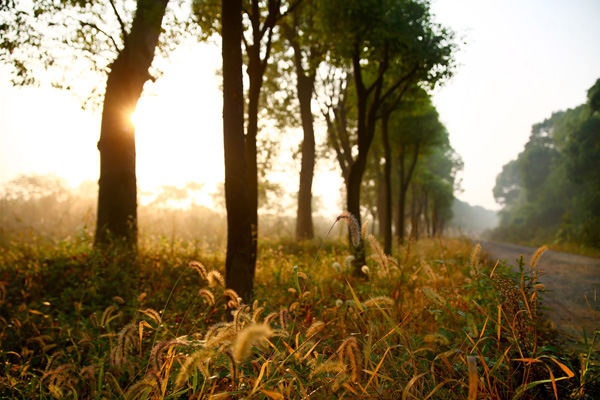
96, 27
121, 24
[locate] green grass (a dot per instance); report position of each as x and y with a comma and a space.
432, 323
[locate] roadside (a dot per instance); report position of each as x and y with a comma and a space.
571, 282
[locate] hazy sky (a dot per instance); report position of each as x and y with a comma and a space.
522, 60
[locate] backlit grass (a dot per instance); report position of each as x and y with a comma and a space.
434, 322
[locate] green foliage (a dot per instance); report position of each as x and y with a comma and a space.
72, 44
551, 192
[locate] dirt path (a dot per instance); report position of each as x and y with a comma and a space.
569, 279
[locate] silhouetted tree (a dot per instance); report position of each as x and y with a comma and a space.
29, 38
239, 264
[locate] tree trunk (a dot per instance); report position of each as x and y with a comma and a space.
405, 178
239, 263
387, 185
304, 222
117, 186
255, 78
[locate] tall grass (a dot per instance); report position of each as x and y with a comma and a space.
434, 323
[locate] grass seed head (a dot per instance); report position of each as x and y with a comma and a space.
353, 226
248, 337
536, 256
198, 267
215, 279
208, 296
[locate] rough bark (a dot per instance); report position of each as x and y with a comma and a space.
256, 71
239, 263
305, 82
304, 222
117, 186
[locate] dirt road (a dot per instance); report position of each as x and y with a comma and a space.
569, 279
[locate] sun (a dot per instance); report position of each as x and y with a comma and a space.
179, 135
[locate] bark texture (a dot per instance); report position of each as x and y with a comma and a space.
239, 263
117, 186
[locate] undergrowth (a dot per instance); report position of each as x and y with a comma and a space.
436, 322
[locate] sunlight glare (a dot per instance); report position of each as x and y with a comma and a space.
179, 128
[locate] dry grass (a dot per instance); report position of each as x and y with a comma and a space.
441, 323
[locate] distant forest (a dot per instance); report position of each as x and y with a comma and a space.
551, 192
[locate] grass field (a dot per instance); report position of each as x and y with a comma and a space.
437, 322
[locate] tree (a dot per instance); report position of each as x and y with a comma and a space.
80, 26
117, 194
382, 39
417, 130
550, 192
239, 263
301, 31
261, 19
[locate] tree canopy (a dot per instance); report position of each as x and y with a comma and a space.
551, 192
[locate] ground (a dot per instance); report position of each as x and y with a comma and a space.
571, 282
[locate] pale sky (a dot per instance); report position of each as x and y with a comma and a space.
522, 60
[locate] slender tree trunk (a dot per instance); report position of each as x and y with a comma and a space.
366, 118
240, 263
400, 213
405, 177
387, 184
255, 81
304, 222
117, 186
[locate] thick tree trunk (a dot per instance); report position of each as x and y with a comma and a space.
304, 222
239, 263
117, 186
353, 204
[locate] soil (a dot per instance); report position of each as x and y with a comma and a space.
571, 282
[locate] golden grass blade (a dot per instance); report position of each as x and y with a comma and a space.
410, 384
562, 366
260, 376
310, 351
440, 385
360, 307
272, 394
484, 325
473, 377
494, 269
377, 368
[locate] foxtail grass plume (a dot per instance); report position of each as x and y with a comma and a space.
350, 351
475, 257
157, 356
198, 267
196, 360
382, 301
126, 341
536, 256
379, 254
315, 328
215, 278
149, 312
234, 299
248, 337
352, 225
208, 296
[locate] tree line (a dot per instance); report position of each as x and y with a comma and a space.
369, 65
551, 191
